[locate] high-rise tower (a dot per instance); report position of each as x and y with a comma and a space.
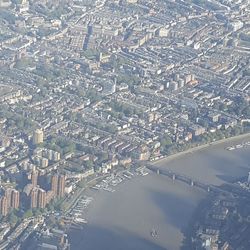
54, 184
37, 136
41, 202
15, 199
34, 176
7, 194
61, 186
33, 198
4, 206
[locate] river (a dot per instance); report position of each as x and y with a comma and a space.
124, 219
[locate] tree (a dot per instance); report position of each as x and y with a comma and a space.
110, 128
12, 218
28, 214
89, 164
36, 212
50, 206
93, 95
165, 141
236, 131
102, 157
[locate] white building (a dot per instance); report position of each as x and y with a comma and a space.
236, 25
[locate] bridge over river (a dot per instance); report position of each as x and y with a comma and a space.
188, 180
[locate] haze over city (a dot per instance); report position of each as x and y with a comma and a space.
124, 124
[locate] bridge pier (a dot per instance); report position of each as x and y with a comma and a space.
173, 177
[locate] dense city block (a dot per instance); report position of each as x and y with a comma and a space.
93, 87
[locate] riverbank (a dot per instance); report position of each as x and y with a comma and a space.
201, 147
124, 219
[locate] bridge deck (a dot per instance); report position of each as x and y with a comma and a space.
187, 179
